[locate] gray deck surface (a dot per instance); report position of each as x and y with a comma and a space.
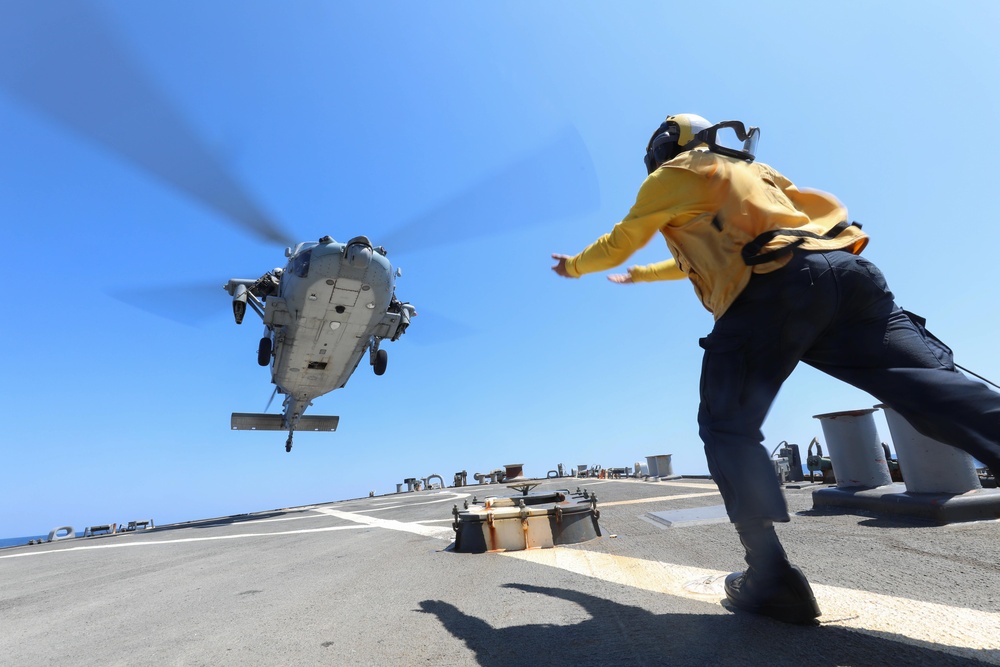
374, 582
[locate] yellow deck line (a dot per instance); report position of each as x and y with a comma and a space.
964, 632
690, 485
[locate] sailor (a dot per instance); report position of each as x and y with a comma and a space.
781, 272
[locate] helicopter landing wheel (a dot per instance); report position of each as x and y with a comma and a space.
288, 444
381, 360
264, 351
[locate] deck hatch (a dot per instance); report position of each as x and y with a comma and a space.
526, 521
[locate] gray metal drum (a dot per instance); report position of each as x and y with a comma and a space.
928, 465
855, 449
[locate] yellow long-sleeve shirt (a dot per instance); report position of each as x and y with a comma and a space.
708, 207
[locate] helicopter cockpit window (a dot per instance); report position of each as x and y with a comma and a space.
300, 263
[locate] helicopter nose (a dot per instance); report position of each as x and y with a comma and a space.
358, 252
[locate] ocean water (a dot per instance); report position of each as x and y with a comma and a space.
20, 541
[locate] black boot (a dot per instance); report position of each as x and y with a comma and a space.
770, 585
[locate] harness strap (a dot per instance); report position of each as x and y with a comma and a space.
750, 250
921, 323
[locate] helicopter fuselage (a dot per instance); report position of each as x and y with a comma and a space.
332, 303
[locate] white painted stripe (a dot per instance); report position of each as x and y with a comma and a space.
964, 632
707, 484
658, 499
389, 524
284, 518
360, 520
449, 497
148, 543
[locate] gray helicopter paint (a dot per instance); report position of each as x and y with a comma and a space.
317, 352
334, 302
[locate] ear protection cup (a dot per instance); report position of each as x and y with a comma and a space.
665, 147
665, 143
662, 147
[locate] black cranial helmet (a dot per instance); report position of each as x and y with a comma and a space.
672, 137
685, 131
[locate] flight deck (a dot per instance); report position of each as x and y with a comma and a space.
378, 581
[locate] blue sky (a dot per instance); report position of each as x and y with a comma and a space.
347, 118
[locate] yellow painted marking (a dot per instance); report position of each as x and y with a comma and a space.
657, 499
691, 485
956, 630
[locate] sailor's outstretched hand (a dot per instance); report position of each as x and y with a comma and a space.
560, 265
621, 278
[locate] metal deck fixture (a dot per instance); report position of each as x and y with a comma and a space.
940, 484
105, 529
660, 466
491, 477
513, 470
427, 481
61, 533
138, 525
929, 466
855, 449
526, 521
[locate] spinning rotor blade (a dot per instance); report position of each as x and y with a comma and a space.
60, 58
433, 328
271, 400
192, 304
556, 181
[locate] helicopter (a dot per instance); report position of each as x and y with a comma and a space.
332, 303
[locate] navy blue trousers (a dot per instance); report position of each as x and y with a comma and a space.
833, 311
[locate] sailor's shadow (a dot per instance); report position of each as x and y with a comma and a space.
867, 521
619, 634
